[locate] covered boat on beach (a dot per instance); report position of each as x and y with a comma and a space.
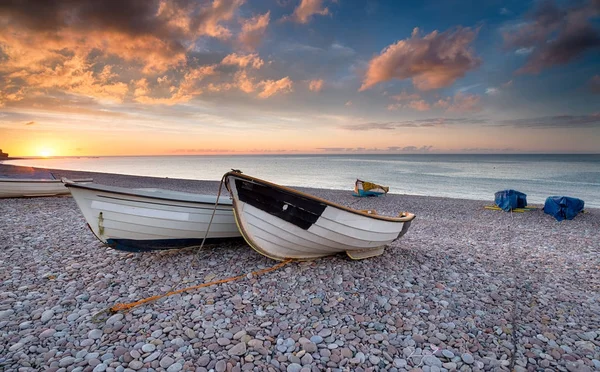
25, 182
141, 220
283, 223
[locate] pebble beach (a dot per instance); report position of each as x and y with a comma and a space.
466, 289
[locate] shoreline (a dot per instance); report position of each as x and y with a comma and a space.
205, 186
465, 289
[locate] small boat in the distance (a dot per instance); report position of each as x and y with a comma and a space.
284, 223
363, 188
141, 220
29, 182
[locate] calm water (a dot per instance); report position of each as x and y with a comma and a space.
456, 176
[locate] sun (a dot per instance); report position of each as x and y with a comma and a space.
45, 152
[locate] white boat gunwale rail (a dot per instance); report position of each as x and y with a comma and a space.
160, 194
402, 217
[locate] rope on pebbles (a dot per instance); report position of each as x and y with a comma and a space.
127, 306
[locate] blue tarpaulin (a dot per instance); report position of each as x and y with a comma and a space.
563, 207
510, 199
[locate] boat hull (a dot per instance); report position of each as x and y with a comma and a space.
20, 188
372, 189
283, 223
151, 220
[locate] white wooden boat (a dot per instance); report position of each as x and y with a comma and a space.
30, 187
138, 220
283, 223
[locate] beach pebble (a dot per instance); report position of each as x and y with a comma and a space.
448, 301
148, 348
166, 362
47, 315
238, 349
94, 334
467, 358
317, 339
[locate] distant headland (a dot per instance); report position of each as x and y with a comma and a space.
3, 154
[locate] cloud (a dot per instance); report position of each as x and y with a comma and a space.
492, 91
432, 62
426, 148
348, 103
271, 87
316, 85
555, 36
187, 89
419, 105
74, 47
406, 97
460, 102
244, 82
155, 34
166, 20
253, 30
595, 84
11, 93
557, 121
419, 123
202, 150
467, 87
248, 60
524, 51
487, 149
413, 99
31, 123
307, 9
410, 148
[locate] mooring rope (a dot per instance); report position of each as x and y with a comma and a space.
213, 212
124, 307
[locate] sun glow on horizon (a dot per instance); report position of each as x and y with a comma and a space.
46, 152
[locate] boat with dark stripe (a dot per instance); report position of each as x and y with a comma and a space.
141, 220
284, 223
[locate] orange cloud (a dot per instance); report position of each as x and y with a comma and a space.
316, 85
271, 87
187, 89
460, 103
252, 60
419, 105
11, 94
64, 46
306, 9
415, 104
75, 75
406, 97
432, 62
253, 30
243, 82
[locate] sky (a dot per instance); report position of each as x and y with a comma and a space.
222, 77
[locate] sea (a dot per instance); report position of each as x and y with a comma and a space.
470, 176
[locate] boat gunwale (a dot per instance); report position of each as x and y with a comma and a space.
408, 216
111, 189
29, 180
